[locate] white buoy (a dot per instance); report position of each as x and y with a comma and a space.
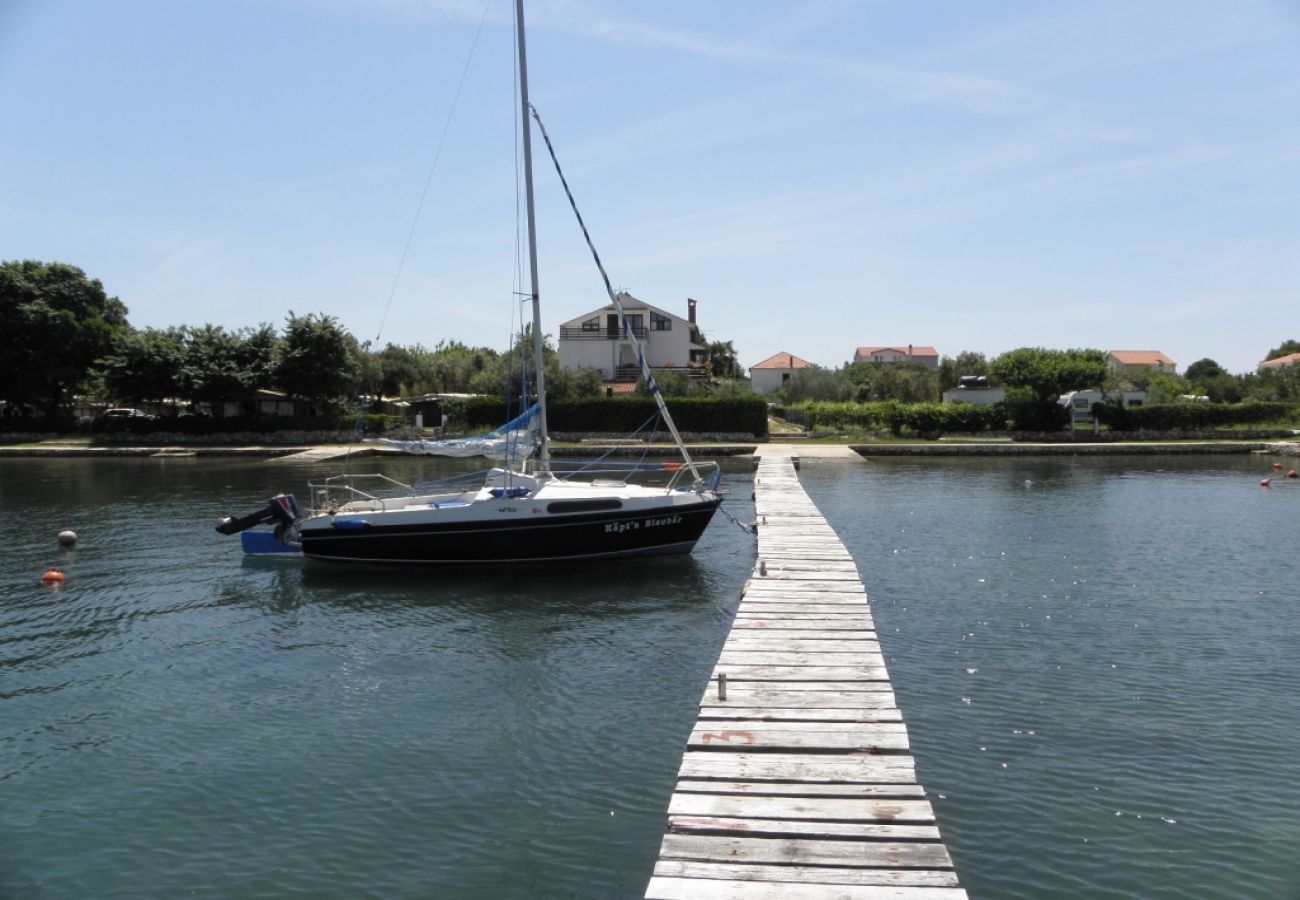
67, 538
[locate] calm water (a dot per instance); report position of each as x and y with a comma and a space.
1097, 661
176, 722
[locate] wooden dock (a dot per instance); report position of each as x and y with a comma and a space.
797, 781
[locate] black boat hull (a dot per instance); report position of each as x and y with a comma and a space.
603, 535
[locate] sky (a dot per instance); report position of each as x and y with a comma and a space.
819, 175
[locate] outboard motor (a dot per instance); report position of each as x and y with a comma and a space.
283, 510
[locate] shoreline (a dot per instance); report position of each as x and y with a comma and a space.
321, 452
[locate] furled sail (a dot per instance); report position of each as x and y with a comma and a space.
513, 442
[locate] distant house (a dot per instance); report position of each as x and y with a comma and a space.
1280, 362
1138, 360
265, 402
598, 340
771, 374
926, 356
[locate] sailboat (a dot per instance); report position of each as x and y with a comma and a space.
524, 511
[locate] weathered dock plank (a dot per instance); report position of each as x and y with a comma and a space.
796, 781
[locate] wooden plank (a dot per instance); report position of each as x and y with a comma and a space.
827, 694
867, 737
695, 888
797, 714
796, 828
823, 809
737, 672
801, 789
794, 658
860, 768
882, 855
686, 868
794, 643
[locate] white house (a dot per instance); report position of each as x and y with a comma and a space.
771, 374
597, 340
926, 356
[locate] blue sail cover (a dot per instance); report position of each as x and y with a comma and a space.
512, 443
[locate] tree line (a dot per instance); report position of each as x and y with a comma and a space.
1034, 379
65, 337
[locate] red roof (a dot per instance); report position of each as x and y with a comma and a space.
782, 360
906, 351
1141, 358
1279, 362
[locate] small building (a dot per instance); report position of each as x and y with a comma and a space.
975, 390
598, 340
773, 373
925, 356
1280, 362
1131, 361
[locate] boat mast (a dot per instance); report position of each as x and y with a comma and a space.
544, 453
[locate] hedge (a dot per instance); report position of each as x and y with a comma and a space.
201, 425
623, 415
1192, 416
895, 417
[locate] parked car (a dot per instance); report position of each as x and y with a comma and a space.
136, 415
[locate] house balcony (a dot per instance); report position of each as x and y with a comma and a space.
601, 334
633, 372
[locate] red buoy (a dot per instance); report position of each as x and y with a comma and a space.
54, 576
1277, 466
1291, 474
1265, 482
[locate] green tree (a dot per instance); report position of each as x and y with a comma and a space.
319, 360
1207, 378
1035, 378
1285, 349
56, 324
1202, 370
400, 369
223, 365
722, 361
146, 366
967, 362
814, 383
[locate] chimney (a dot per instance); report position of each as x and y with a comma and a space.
909, 351
690, 310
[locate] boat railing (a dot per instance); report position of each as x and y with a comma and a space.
336, 490
709, 475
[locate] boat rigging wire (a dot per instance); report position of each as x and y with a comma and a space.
428, 181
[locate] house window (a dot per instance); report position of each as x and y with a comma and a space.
660, 323
636, 323
592, 324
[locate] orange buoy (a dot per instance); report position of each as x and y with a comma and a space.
1277, 466
54, 576
1265, 482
